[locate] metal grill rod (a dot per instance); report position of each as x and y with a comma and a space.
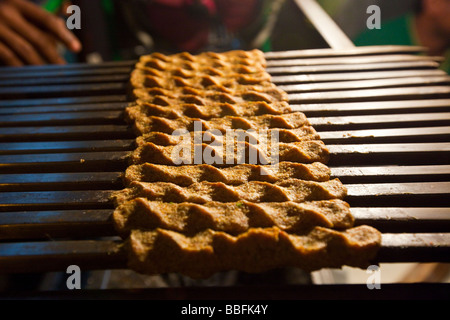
107, 254
83, 223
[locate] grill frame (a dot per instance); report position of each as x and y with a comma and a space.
60, 138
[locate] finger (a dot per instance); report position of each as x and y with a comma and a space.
19, 46
48, 48
45, 44
8, 57
51, 23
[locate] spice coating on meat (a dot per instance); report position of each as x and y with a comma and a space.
231, 217
255, 191
235, 175
256, 250
198, 201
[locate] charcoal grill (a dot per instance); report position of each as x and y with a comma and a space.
383, 112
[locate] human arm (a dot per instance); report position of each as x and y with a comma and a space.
29, 34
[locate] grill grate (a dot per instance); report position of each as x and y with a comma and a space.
383, 112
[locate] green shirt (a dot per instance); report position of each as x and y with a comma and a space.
399, 31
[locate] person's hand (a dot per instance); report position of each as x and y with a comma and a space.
29, 34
